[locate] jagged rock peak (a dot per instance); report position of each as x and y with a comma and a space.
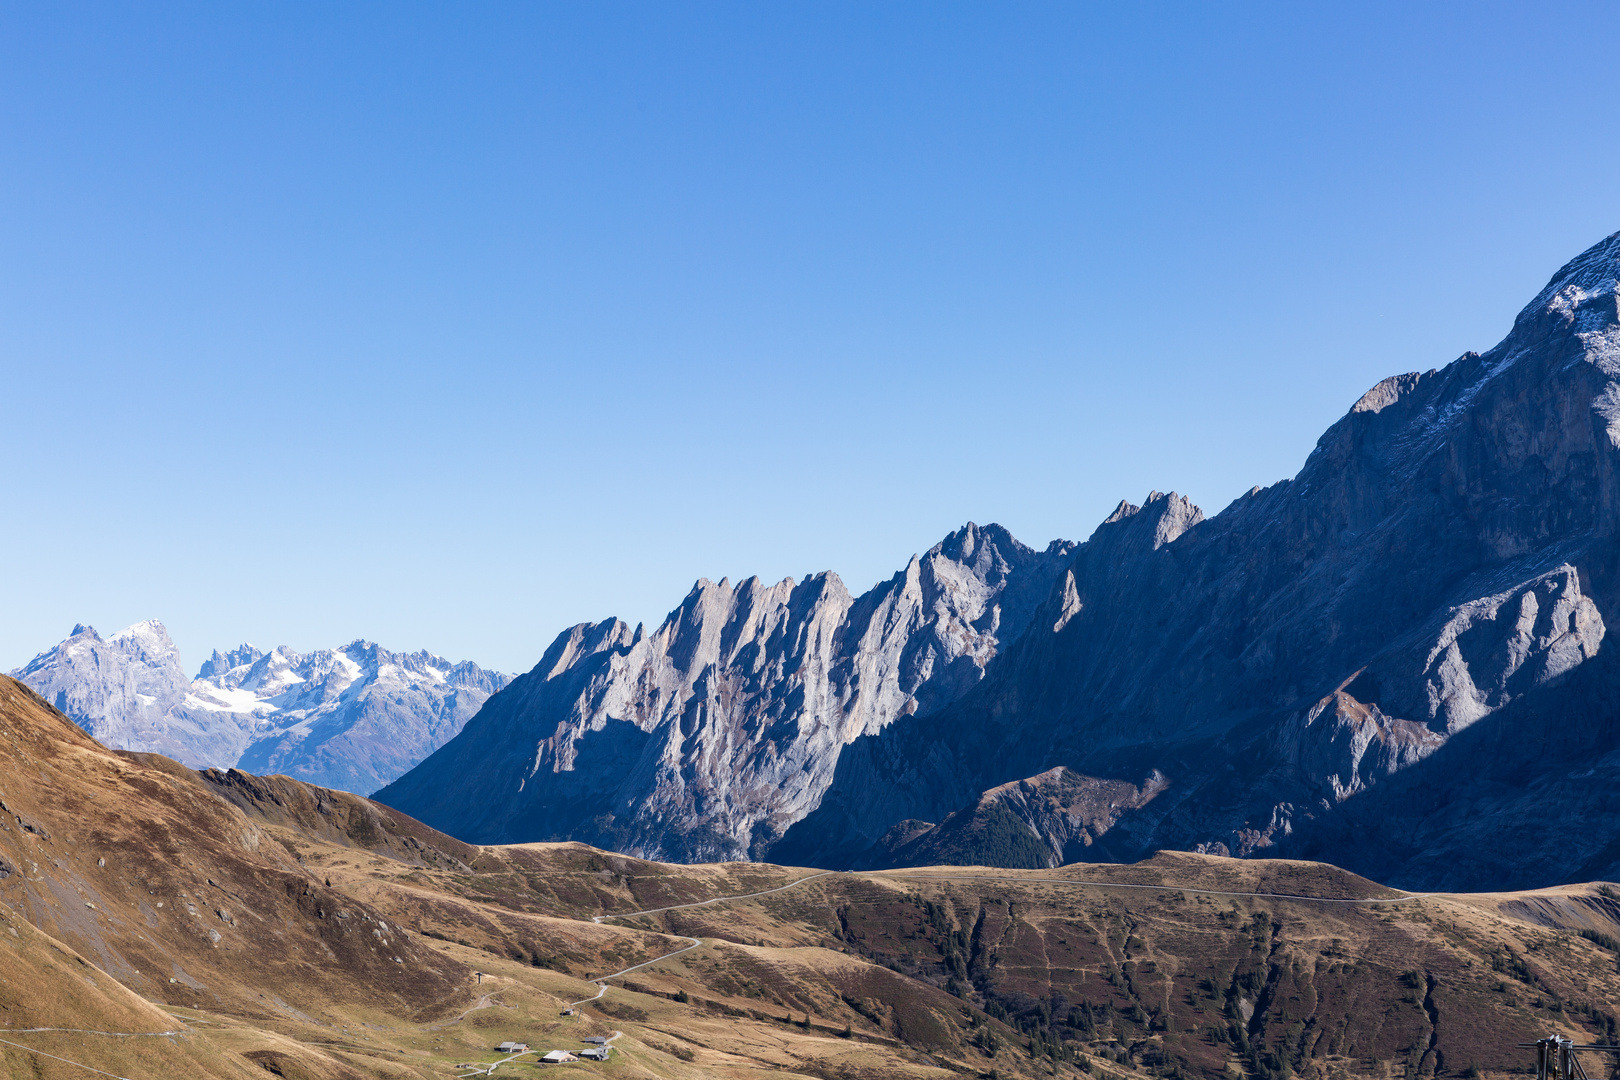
1162, 517
974, 543
1125, 509
707, 737
583, 639
1388, 391
219, 663
1588, 276
703, 587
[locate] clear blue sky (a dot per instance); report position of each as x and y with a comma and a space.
452, 325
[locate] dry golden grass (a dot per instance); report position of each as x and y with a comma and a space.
260, 920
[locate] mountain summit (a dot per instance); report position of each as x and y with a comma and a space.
1341, 663
1393, 661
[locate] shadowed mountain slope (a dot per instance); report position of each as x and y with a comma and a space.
1394, 661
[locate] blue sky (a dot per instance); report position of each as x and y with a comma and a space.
451, 325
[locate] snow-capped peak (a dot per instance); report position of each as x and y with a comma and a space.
353, 718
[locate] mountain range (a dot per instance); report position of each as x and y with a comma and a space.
1392, 661
352, 718
708, 737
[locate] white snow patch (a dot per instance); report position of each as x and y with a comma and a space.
220, 699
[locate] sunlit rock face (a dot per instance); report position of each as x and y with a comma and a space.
117, 688
709, 736
1394, 661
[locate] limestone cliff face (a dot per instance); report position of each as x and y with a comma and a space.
709, 736
1416, 620
1394, 661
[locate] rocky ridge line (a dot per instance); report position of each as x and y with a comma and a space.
706, 738
1331, 666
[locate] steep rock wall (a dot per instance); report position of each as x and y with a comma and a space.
707, 737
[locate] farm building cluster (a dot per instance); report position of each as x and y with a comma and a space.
596, 1049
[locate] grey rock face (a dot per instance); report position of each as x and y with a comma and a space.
1414, 621
352, 718
118, 688
1057, 817
708, 737
1393, 661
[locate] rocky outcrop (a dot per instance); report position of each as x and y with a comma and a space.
708, 737
352, 718
1057, 817
1393, 661
1329, 652
1347, 746
338, 817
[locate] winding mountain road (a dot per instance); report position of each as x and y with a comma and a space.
601, 983
81, 1031
92, 1031
904, 876
716, 899
65, 1061
692, 942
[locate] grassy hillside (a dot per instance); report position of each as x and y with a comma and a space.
222, 925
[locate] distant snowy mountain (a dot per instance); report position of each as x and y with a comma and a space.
120, 688
353, 718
